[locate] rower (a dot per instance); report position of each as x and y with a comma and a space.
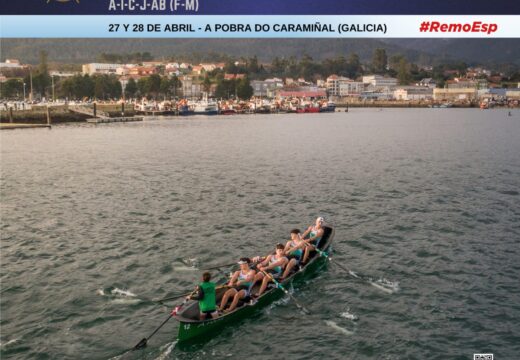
294, 250
273, 266
205, 294
241, 282
315, 233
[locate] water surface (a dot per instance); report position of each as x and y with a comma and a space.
426, 201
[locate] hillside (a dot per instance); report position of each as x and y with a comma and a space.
417, 50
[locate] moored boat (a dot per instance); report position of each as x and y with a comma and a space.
329, 106
205, 108
227, 111
191, 328
184, 110
308, 108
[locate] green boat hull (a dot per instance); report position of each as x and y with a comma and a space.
195, 330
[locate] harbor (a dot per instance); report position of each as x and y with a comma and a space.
153, 87
105, 112
100, 220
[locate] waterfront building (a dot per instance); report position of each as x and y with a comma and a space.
409, 93
343, 86
333, 82
351, 88
376, 95
455, 94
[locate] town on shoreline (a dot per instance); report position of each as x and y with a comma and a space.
147, 86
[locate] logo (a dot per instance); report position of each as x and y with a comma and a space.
63, 1
482, 356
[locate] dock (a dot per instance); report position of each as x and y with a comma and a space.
105, 120
13, 126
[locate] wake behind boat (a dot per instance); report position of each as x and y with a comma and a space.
191, 327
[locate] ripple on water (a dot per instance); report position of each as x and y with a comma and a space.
142, 207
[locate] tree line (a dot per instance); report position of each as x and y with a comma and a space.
155, 86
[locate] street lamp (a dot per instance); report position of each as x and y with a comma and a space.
24, 91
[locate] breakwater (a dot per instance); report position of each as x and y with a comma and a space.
60, 114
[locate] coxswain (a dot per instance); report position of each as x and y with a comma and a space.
205, 294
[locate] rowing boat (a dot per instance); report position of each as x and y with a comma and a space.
192, 328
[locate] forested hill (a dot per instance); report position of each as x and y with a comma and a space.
423, 51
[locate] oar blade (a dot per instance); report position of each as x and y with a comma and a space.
141, 344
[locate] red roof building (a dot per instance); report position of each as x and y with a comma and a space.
234, 76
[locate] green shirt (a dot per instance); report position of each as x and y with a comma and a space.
208, 301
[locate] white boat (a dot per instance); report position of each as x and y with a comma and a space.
205, 107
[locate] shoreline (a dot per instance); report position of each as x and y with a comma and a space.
38, 118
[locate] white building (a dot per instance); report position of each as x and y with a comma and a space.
333, 83
378, 81
99, 68
457, 94
11, 64
351, 88
343, 86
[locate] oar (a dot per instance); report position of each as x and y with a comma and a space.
160, 301
344, 268
327, 256
141, 344
183, 295
219, 266
280, 286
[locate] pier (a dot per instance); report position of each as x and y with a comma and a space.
116, 119
13, 126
